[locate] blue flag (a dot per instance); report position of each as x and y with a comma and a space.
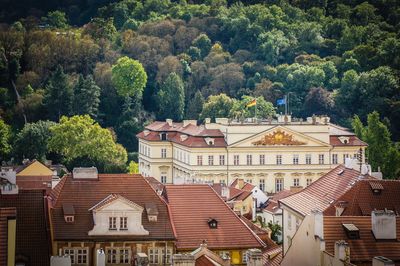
281, 101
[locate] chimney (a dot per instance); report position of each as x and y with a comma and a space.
342, 251
189, 122
225, 191
100, 258
142, 259
169, 122
183, 260
382, 261
221, 120
85, 173
254, 257
383, 224
318, 223
60, 260
207, 120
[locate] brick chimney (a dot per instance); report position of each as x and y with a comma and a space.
169, 122
183, 260
254, 257
383, 224
85, 173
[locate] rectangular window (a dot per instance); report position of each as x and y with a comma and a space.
111, 255
296, 182
321, 158
167, 256
345, 156
123, 223
278, 184
112, 223
249, 158
71, 253
244, 256
82, 257
164, 179
163, 153
153, 255
262, 159
124, 256
210, 160
224, 254
262, 184
279, 159
236, 159
308, 158
222, 160
309, 181
298, 222
199, 160
295, 159
334, 159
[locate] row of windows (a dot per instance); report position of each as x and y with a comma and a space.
279, 185
144, 149
279, 159
181, 156
123, 223
157, 255
118, 255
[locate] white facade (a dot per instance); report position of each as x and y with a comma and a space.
271, 155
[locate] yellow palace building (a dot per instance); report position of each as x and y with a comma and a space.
272, 154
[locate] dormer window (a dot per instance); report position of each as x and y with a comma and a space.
376, 188
213, 224
209, 141
184, 137
163, 136
112, 223
69, 212
352, 231
152, 212
344, 140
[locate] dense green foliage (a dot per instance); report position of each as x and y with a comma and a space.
340, 58
83, 142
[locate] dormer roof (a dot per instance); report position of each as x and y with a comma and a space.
112, 198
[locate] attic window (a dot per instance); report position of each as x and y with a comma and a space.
376, 188
340, 172
209, 141
152, 212
184, 137
146, 132
344, 140
352, 231
69, 212
212, 223
163, 136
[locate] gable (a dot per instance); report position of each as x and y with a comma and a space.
36, 169
277, 137
116, 203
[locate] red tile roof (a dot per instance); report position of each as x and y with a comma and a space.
85, 193
273, 256
193, 205
324, 192
194, 135
261, 233
353, 141
5, 213
246, 185
33, 239
34, 182
271, 205
233, 192
365, 248
361, 201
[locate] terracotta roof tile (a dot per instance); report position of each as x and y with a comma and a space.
86, 193
324, 192
272, 256
192, 227
361, 200
365, 248
32, 239
34, 182
353, 141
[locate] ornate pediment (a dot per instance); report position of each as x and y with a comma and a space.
278, 137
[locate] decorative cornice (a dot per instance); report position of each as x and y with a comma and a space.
278, 137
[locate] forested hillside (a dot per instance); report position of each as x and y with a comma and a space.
129, 62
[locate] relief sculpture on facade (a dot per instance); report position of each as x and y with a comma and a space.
278, 138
